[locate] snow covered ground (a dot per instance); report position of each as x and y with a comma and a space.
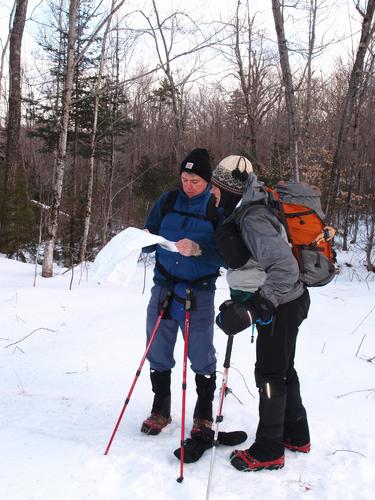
63, 386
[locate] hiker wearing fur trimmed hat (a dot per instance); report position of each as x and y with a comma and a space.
265, 291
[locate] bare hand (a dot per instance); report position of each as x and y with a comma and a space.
188, 248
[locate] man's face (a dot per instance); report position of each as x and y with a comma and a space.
192, 184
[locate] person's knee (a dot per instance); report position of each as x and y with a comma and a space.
270, 385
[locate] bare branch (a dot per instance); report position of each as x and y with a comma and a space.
350, 451
354, 392
29, 334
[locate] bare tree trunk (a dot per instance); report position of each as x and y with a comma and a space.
12, 155
47, 269
354, 152
309, 72
253, 66
110, 175
5, 48
370, 244
72, 187
94, 129
289, 87
176, 100
244, 82
356, 78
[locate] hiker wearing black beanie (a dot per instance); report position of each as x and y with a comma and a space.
182, 216
197, 162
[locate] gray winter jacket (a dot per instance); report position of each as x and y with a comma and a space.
272, 268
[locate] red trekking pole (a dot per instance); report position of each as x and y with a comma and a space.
186, 346
164, 307
219, 416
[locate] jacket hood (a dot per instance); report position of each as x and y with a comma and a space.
254, 190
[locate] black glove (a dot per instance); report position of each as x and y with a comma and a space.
235, 317
264, 308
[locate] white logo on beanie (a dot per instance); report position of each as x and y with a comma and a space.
189, 165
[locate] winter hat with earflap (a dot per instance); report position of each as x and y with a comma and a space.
197, 162
231, 174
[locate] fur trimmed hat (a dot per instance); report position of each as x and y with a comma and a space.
231, 174
197, 162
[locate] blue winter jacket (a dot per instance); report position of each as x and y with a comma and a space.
174, 227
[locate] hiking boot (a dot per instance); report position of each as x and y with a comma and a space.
243, 460
302, 449
297, 436
198, 423
155, 423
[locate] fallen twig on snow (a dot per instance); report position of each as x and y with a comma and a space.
353, 392
363, 338
369, 360
363, 320
28, 335
350, 451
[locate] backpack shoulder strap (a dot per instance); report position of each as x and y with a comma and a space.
212, 212
276, 207
169, 202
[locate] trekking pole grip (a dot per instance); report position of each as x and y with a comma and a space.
228, 351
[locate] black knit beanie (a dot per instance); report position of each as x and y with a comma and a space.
197, 162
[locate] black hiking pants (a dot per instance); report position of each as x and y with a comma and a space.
280, 401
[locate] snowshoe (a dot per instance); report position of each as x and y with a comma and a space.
244, 461
201, 441
193, 449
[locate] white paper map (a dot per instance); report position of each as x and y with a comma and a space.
117, 261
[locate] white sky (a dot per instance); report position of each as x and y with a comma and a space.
338, 19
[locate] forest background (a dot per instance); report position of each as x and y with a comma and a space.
101, 100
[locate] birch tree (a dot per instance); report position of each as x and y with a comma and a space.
288, 86
60, 163
47, 269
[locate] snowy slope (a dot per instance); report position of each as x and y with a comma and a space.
63, 387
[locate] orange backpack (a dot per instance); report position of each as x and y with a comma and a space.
297, 206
